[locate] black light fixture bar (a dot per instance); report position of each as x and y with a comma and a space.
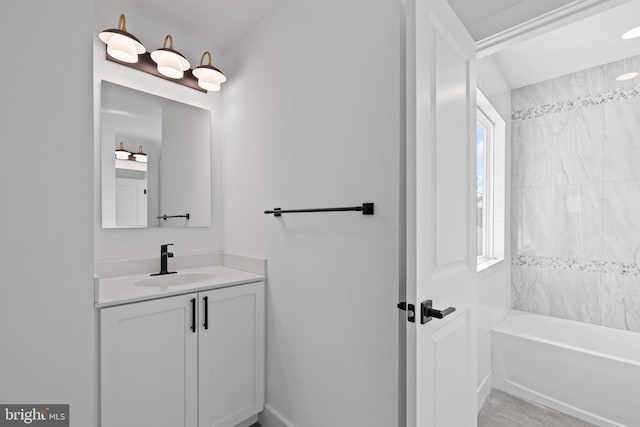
147, 65
366, 209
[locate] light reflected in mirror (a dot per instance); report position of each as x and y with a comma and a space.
155, 161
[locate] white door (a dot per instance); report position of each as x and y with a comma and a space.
131, 202
149, 363
441, 259
231, 353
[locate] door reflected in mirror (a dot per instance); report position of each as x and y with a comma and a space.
155, 161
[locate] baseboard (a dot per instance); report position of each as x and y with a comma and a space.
484, 389
272, 418
249, 422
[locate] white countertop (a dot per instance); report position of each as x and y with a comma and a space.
127, 289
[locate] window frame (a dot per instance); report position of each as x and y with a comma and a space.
495, 183
487, 203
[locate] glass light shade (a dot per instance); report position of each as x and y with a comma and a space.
211, 86
631, 34
121, 153
209, 78
122, 45
140, 156
170, 64
123, 49
627, 76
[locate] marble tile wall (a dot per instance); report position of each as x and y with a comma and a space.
575, 197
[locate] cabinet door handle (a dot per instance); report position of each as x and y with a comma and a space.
206, 312
193, 315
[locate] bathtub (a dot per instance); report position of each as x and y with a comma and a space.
588, 371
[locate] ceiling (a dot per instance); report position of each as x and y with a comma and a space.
484, 18
587, 43
222, 22
216, 24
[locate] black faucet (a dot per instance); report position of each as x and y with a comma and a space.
164, 257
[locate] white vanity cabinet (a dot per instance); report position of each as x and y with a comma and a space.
193, 360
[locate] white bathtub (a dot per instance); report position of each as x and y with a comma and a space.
588, 371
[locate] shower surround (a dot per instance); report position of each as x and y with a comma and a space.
575, 213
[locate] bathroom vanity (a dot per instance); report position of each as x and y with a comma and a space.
176, 350
183, 349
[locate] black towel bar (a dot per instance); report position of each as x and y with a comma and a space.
366, 209
165, 217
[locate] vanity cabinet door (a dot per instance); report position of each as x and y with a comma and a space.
149, 372
231, 355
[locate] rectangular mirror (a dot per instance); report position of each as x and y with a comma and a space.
156, 161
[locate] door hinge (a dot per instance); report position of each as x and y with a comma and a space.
411, 310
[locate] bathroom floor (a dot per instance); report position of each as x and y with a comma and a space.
503, 410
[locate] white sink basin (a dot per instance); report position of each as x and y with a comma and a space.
167, 280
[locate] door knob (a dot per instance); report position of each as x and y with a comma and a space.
427, 312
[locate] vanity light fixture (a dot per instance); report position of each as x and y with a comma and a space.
121, 153
140, 156
121, 44
631, 34
627, 76
125, 49
171, 63
209, 77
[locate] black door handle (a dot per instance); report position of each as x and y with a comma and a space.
193, 315
206, 312
427, 312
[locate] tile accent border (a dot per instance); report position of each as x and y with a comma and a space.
589, 266
581, 101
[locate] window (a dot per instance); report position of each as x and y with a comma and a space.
490, 180
483, 185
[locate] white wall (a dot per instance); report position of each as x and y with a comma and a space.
312, 119
494, 283
124, 244
46, 250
